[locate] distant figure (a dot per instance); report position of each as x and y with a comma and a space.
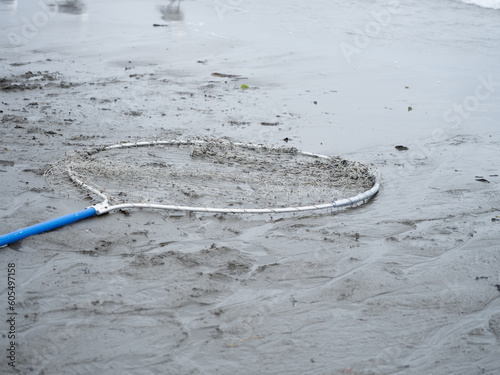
172, 12
8, 4
71, 6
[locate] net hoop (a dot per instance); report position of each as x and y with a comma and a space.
105, 206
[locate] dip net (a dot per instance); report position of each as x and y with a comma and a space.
212, 175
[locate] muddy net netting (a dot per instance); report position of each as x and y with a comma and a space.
213, 175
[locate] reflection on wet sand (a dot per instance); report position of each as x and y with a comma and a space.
70, 6
172, 11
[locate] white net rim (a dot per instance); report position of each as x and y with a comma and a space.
104, 206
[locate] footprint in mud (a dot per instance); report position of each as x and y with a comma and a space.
220, 263
495, 325
217, 276
223, 258
237, 267
14, 119
142, 260
101, 248
346, 289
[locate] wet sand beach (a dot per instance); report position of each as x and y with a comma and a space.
408, 283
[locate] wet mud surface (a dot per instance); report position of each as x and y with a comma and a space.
407, 283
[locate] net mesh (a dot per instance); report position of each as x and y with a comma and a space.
211, 173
